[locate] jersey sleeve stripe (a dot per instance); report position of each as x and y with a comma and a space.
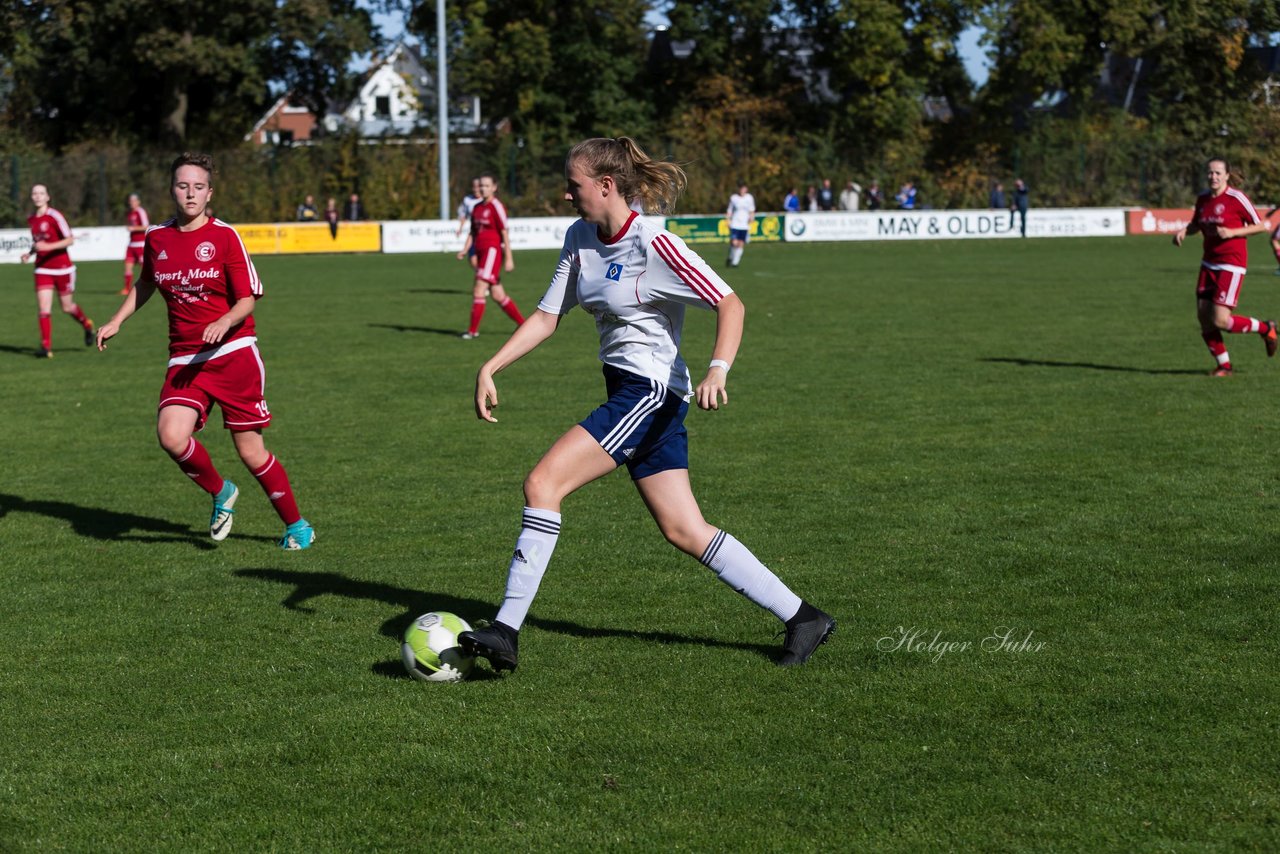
501, 210
1248, 205
687, 273
255, 284
61, 221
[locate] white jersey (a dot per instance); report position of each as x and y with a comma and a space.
741, 210
637, 285
468, 205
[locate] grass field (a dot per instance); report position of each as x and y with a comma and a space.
934, 440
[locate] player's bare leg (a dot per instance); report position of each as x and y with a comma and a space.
670, 500
69, 307
506, 303
573, 461
270, 474
44, 307
175, 428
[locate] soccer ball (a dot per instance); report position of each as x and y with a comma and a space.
430, 649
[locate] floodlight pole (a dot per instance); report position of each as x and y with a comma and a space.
442, 118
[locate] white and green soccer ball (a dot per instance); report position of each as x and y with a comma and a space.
430, 649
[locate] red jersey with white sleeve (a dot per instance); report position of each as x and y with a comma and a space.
50, 226
1233, 210
488, 221
201, 274
137, 218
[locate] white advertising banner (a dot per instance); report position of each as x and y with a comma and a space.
954, 225
92, 244
439, 235
421, 235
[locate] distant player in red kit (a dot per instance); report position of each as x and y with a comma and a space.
492, 248
50, 237
201, 268
135, 219
1226, 217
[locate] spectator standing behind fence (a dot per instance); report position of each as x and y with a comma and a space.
331, 216
875, 197
354, 209
907, 196
850, 196
811, 200
996, 200
307, 210
826, 196
1019, 204
791, 204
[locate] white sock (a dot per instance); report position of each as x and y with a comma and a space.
737, 567
538, 534
735, 255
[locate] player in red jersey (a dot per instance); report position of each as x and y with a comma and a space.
135, 219
492, 247
50, 237
1227, 218
201, 268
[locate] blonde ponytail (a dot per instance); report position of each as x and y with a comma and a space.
655, 184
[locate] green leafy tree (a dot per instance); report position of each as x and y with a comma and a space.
169, 72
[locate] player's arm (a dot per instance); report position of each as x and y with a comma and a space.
216, 331
134, 300
730, 313
466, 246
1243, 231
510, 263
536, 328
43, 246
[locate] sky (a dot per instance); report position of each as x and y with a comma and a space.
975, 62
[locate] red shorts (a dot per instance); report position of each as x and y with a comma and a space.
1222, 287
236, 381
63, 279
134, 253
489, 264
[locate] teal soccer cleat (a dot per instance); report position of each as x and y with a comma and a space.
224, 508
298, 536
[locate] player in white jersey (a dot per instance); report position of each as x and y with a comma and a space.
465, 208
636, 280
741, 213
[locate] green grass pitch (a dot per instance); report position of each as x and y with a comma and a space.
938, 439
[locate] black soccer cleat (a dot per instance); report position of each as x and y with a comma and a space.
44, 353
89, 335
806, 631
496, 644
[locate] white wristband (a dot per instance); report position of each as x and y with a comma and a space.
719, 363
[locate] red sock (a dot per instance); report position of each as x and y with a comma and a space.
128, 281
78, 314
1216, 346
275, 483
1244, 324
477, 312
46, 331
195, 464
512, 312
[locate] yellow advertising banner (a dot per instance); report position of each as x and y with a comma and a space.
310, 238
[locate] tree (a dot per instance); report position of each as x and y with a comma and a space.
164, 71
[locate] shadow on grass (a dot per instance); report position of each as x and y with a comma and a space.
1093, 366
310, 585
29, 352
428, 329
100, 524
449, 291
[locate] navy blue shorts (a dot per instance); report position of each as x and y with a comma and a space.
739, 234
641, 424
